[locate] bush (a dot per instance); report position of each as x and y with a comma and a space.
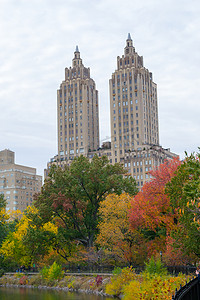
54, 272
155, 287
98, 280
155, 267
117, 283
23, 280
44, 272
117, 271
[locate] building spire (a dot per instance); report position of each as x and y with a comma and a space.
77, 61
129, 49
129, 37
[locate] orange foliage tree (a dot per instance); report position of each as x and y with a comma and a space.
114, 229
151, 211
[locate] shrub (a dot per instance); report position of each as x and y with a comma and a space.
154, 287
35, 280
19, 275
117, 271
155, 267
98, 280
119, 281
54, 272
44, 272
23, 280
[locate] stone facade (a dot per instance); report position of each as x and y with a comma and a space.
77, 112
18, 183
133, 104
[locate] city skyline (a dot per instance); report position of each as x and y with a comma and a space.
37, 40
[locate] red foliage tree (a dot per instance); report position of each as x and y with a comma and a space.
150, 208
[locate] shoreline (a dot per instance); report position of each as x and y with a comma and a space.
87, 290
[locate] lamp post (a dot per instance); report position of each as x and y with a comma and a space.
161, 256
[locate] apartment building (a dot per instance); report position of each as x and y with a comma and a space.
133, 104
18, 183
77, 112
133, 117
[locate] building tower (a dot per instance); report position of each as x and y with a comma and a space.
133, 105
77, 112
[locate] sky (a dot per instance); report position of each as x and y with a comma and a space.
38, 39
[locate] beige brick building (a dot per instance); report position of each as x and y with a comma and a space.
134, 117
77, 112
133, 104
139, 162
18, 183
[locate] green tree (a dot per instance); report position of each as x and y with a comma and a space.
184, 193
72, 196
3, 219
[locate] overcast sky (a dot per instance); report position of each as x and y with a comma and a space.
38, 40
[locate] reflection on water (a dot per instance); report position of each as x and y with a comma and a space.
36, 294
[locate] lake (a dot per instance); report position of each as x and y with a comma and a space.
37, 294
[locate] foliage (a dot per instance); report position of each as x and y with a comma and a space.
184, 193
155, 267
3, 219
1, 272
175, 252
53, 272
150, 288
146, 286
18, 248
98, 280
73, 196
117, 283
114, 229
117, 271
23, 280
151, 211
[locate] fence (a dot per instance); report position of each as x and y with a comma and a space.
190, 291
175, 270
93, 268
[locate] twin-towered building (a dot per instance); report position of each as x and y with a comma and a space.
133, 116
134, 126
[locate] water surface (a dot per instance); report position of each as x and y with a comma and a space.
36, 294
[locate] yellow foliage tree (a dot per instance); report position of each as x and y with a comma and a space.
13, 246
114, 231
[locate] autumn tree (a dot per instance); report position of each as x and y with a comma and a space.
73, 196
16, 248
184, 193
150, 211
114, 230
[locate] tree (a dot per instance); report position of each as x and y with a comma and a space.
19, 248
184, 193
150, 209
3, 219
73, 196
114, 229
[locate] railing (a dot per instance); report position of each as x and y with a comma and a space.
190, 291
